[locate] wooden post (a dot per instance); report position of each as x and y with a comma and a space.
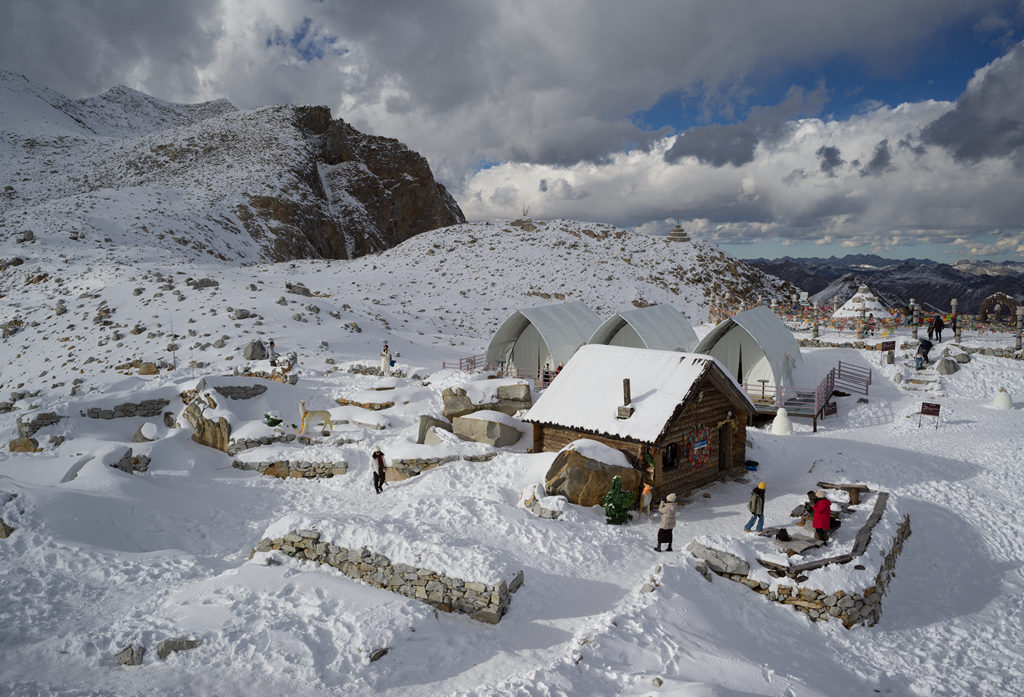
1020, 328
814, 332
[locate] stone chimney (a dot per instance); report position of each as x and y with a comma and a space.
626, 410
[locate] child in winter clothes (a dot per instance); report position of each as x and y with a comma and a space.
756, 508
667, 508
385, 361
822, 516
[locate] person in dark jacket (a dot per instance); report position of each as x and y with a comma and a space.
378, 470
938, 325
756, 507
667, 508
822, 516
923, 347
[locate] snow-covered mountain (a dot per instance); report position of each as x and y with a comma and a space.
272, 183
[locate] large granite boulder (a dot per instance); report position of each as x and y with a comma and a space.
254, 351
23, 445
212, 434
584, 481
947, 366
509, 400
484, 430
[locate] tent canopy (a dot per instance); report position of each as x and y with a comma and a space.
754, 345
545, 336
660, 327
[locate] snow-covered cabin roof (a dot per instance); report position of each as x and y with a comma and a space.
564, 327
587, 393
658, 327
772, 336
862, 298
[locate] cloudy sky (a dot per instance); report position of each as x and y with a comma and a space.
800, 127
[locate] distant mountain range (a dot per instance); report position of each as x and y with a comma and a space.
934, 284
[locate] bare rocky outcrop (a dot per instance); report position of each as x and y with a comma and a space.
486, 431
584, 481
212, 434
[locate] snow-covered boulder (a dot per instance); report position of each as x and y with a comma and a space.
1001, 399
947, 366
508, 399
583, 471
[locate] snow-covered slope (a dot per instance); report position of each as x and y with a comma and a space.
205, 180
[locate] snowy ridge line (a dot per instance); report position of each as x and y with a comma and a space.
421, 547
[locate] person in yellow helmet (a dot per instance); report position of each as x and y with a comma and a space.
756, 508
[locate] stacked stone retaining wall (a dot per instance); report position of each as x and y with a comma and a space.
292, 469
863, 607
147, 408
481, 601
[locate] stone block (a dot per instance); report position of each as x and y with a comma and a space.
492, 433
168, 646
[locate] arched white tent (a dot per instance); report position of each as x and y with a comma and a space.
539, 338
754, 345
659, 327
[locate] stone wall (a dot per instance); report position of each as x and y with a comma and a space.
241, 391
147, 408
401, 469
863, 606
483, 602
293, 469
27, 429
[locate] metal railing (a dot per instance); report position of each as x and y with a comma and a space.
852, 378
468, 364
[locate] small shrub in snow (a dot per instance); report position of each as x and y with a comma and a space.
617, 503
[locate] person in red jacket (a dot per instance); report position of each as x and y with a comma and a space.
822, 516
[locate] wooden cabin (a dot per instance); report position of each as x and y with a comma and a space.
678, 417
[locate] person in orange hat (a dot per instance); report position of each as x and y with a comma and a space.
756, 508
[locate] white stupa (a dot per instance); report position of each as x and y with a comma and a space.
1002, 399
863, 298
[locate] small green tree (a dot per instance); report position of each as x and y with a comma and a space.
617, 503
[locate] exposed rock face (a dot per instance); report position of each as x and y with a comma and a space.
584, 481
947, 366
426, 422
212, 434
254, 351
383, 192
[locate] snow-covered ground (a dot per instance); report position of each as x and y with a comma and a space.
100, 558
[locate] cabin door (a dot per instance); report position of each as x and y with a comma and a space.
724, 447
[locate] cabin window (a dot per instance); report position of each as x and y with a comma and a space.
670, 460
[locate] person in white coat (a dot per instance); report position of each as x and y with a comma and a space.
668, 522
385, 361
